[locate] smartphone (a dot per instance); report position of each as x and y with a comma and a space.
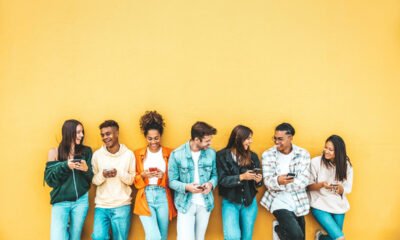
153, 169
290, 175
76, 160
200, 187
256, 170
334, 184
109, 170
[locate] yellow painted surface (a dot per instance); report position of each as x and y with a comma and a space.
325, 66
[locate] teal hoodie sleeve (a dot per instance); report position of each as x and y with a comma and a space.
56, 173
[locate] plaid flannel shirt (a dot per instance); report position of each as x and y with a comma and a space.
300, 165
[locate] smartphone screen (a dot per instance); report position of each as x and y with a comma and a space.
291, 175
153, 169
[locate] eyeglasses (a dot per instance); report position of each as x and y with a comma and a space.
278, 139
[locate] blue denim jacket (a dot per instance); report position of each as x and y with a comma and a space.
181, 172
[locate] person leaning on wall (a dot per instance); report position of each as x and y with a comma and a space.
153, 203
286, 172
192, 174
114, 172
331, 180
239, 176
69, 173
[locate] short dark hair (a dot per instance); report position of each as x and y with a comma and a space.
109, 123
289, 129
201, 129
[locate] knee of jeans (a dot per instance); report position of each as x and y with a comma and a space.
100, 235
295, 234
232, 235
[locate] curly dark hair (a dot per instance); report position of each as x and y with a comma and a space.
152, 120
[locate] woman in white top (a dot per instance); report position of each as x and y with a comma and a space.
153, 203
330, 180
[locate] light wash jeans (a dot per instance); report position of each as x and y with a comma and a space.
238, 220
156, 225
331, 223
68, 217
192, 225
119, 218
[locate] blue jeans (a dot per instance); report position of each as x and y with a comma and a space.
331, 223
156, 225
68, 217
119, 218
238, 220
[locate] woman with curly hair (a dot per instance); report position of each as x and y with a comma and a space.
153, 203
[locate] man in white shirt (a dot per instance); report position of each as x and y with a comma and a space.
114, 172
192, 174
286, 169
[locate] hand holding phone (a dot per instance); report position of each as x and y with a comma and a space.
290, 175
257, 170
200, 187
108, 173
153, 169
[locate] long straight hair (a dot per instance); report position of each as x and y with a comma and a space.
238, 135
341, 158
68, 138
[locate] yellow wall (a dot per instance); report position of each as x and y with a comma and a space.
325, 66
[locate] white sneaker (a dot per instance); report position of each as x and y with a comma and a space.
275, 235
318, 234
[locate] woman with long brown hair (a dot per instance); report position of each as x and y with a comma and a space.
330, 181
69, 173
239, 176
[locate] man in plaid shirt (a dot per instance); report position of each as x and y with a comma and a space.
286, 170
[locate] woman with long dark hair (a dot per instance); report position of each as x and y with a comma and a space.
69, 173
239, 176
331, 180
153, 202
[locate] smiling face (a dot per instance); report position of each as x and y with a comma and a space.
153, 138
204, 143
329, 151
248, 142
79, 134
109, 135
282, 141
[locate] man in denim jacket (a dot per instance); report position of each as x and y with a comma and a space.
193, 175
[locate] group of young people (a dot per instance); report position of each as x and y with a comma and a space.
180, 183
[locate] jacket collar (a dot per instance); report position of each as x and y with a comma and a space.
296, 150
188, 151
143, 151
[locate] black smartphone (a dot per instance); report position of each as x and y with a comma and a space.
77, 158
200, 187
256, 170
290, 175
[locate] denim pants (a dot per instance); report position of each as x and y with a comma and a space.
331, 223
68, 217
118, 218
156, 225
290, 226
238, 220
192, 225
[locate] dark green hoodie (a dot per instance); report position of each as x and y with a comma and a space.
67, 184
